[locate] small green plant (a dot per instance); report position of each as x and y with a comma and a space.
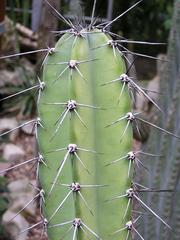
24, 105
86, 163
3, 206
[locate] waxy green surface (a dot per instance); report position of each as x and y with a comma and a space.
103, 65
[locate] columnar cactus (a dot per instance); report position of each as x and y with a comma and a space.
75, 109
85, 164
165, 168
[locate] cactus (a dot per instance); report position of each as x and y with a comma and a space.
165, 168
86, 162
74, 79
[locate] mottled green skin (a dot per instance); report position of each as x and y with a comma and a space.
107, 215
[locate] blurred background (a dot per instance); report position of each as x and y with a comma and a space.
27, 26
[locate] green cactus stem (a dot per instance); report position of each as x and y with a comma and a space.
75, 107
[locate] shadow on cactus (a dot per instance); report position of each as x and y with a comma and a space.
86, 163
